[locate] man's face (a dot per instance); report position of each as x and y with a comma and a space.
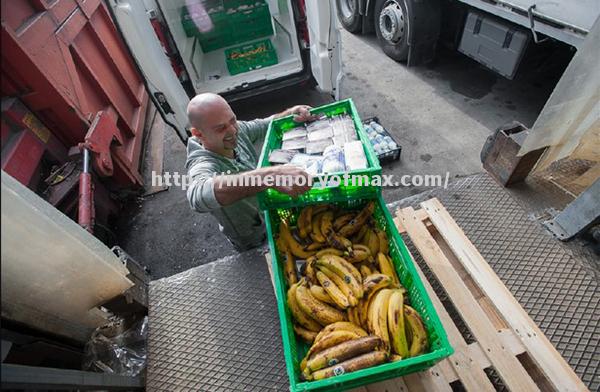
218, 129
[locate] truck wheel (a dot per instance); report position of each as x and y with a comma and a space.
348, 15
391, 26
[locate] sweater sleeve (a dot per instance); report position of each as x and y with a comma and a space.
201, 191
255, 129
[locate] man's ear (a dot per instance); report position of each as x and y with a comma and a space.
196, 132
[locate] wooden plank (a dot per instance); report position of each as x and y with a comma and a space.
427, 381
542, 352
421, 215
393, 385
468, 371
507, 366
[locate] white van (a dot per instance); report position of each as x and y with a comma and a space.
304, 34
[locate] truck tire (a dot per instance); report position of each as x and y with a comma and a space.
348, 15
391, 26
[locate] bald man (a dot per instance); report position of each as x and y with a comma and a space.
222, 144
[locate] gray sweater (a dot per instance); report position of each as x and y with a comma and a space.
241, 221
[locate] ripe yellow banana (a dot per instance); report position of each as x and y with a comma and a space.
329, 340
309, 271
353, 316
351, 365
387, 267
341, 285
334, 291
327, 223
301, 318
372, 241
305, 334
359, 253
329, 251
356, 223
342, 220
314, 246
384, 245
345, 270
399, 343
377, 316
289, 268
340, 352
324, 314
315, 233
365, 271
319, 293
339, 242
294, 246
419, 341
371, 285
341, 326
305, 222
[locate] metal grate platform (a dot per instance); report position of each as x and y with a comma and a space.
215, 327
555, 285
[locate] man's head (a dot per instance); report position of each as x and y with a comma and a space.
213, 122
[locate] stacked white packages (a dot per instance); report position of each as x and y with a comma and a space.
354, 156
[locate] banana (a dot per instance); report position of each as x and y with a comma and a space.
365, 271
396, 324
305, 334
357, 222
339, 242
342, 220
315, 233
372, 241
327, 223
353, 316
386, 267
341, 285
334, 291
358, 237
301, 318
351, 365
289, 268
324, 314
359, 253
320, 208
329, 340
414, 323
305, 222
377, 316
314, 246
293, 245
338, 353
329, 251
345, 270
319, 293
341, 326
395, 358
310, 272
384, 245
375, 282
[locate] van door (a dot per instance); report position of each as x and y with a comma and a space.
168, 94
325, 45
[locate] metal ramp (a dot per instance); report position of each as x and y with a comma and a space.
215, 327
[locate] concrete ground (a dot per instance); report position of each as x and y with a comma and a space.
440, 114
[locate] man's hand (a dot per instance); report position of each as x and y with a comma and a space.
301, 113
293, 177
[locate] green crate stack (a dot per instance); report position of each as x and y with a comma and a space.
271, 198
295, 349
251, 56
233, 21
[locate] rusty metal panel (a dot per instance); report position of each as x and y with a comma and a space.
66, 61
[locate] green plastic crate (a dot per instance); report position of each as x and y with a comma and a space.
295, 349
270, 198
251, 56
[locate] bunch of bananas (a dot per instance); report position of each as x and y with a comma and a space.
347, 303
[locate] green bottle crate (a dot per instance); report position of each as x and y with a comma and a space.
271, 198
295, 349
251, 56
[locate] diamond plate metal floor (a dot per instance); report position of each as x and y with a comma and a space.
215, 327
556, 285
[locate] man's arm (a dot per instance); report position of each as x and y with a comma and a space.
231, 188
257, 129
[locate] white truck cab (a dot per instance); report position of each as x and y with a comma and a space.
173, 45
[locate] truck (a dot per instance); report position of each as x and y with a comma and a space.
496, 33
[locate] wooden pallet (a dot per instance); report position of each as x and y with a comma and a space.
507, 339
